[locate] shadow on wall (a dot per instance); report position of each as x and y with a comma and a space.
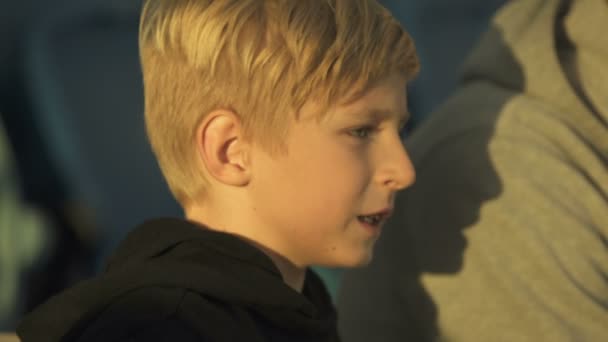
454, 180
444, 32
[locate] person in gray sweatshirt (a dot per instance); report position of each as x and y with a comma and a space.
504, 236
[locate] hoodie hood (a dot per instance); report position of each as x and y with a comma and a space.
555, 51
178, 253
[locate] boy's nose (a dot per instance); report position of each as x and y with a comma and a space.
398, 172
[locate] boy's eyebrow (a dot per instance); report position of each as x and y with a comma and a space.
381, 114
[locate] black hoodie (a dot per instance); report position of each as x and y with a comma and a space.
172, 280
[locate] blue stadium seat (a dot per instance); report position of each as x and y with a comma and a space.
84, 81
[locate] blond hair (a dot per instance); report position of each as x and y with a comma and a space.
262, 59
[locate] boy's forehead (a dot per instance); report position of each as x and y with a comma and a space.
385, 99
376, 109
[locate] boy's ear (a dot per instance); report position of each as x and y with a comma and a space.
223, 151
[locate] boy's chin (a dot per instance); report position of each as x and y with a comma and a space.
363, 262
360, 260
350, 259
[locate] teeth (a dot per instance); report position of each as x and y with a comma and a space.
372, 219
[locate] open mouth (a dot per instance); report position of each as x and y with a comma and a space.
372, 220
375, 220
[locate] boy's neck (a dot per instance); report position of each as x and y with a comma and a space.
293, 275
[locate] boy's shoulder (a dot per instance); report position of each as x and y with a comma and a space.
158, 313
170, 278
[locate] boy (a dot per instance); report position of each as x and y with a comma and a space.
276, 125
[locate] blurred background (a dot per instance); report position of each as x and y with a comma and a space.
76, 173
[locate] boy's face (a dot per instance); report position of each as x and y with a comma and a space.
310, 201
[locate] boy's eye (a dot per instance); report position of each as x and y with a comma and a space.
362, 132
